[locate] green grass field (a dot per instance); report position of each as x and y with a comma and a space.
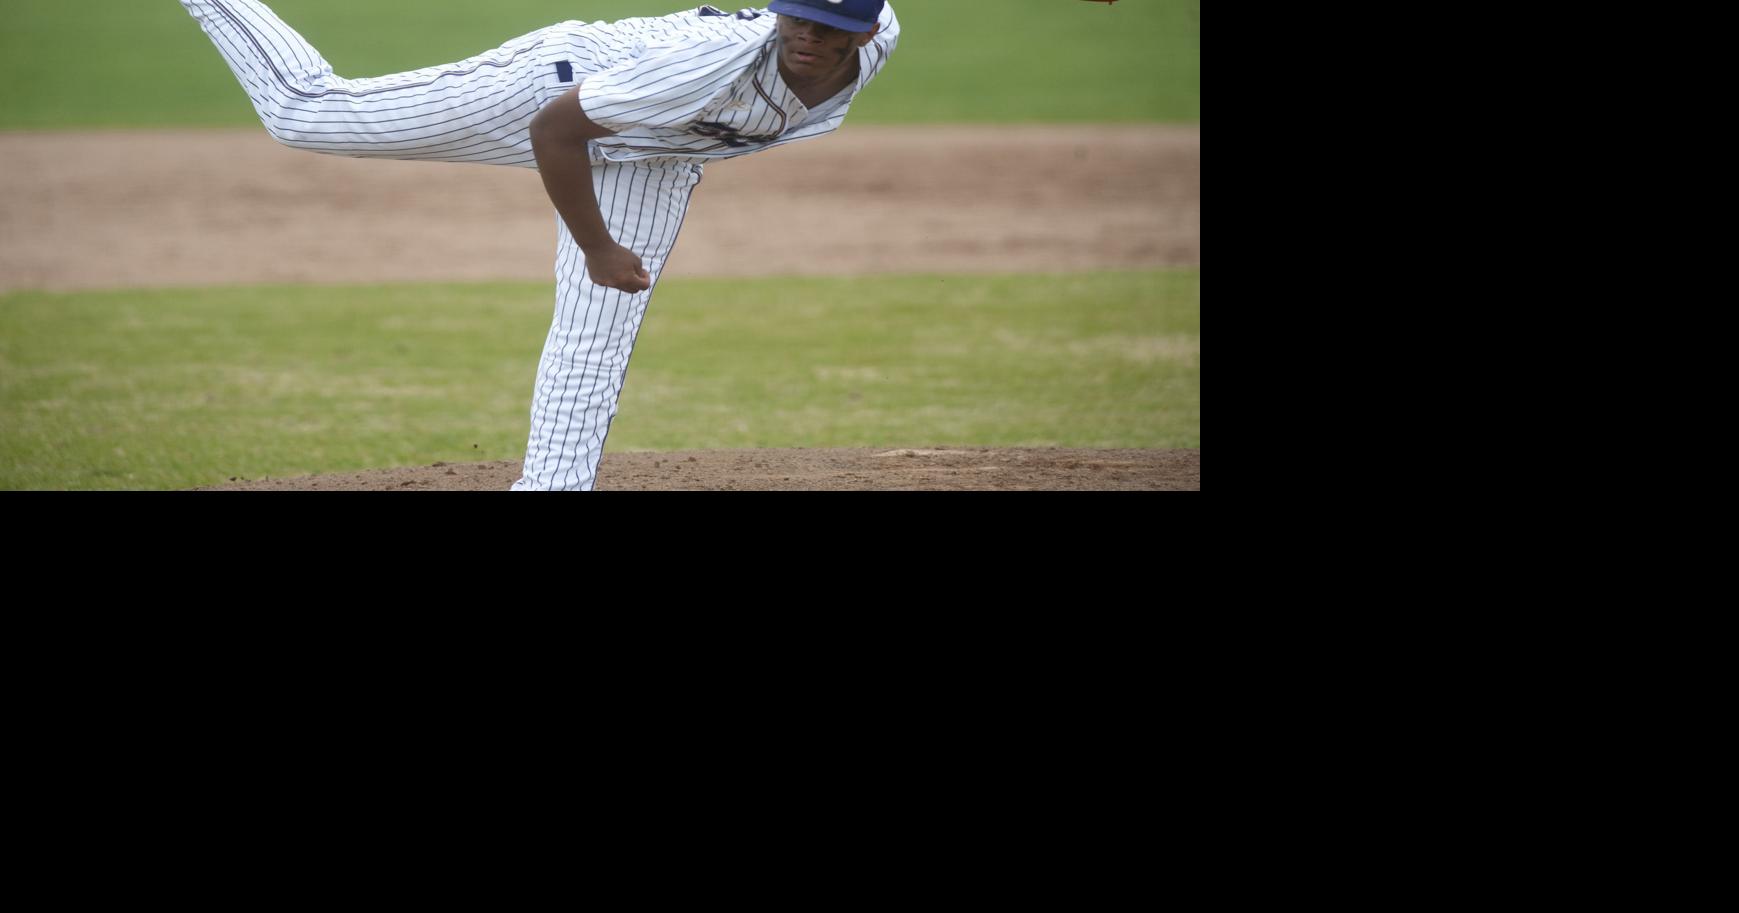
180, 388
176, 389
145, 63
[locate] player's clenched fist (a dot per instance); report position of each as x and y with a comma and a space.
617, 267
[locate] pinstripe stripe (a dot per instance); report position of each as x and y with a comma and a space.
666, 244
771, 104
432, 120
227, 37
601, 350
466, 130
501, 91
625, 304
478, 112
279, 47
301, 47
650, 77
599, 355
613, 353
673, 111
549, 368
596, 298
571, 303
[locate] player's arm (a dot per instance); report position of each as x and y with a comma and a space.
558, 139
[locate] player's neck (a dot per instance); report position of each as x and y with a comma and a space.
815, 91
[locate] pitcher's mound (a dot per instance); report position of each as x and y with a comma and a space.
950, 469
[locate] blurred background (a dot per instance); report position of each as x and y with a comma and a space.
141, 63
1001, 248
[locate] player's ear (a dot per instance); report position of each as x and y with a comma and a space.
864, 37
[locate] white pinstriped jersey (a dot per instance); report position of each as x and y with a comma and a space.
701, 84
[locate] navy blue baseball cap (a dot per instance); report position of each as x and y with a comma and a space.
849, 15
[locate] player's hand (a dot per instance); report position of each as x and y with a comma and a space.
617, 267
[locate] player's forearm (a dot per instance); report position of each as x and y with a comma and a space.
567, 178
558, 140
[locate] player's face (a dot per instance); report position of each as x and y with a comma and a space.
811, 51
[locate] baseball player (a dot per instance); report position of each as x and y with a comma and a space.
619, 119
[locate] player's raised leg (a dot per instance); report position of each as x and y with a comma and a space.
585, 357
475, 110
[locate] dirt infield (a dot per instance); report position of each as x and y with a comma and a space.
979, 469
137, 209
119, 210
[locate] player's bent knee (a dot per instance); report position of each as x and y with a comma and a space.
289, 135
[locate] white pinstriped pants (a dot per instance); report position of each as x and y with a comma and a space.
480, 110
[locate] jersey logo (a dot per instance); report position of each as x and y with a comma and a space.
727, 134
